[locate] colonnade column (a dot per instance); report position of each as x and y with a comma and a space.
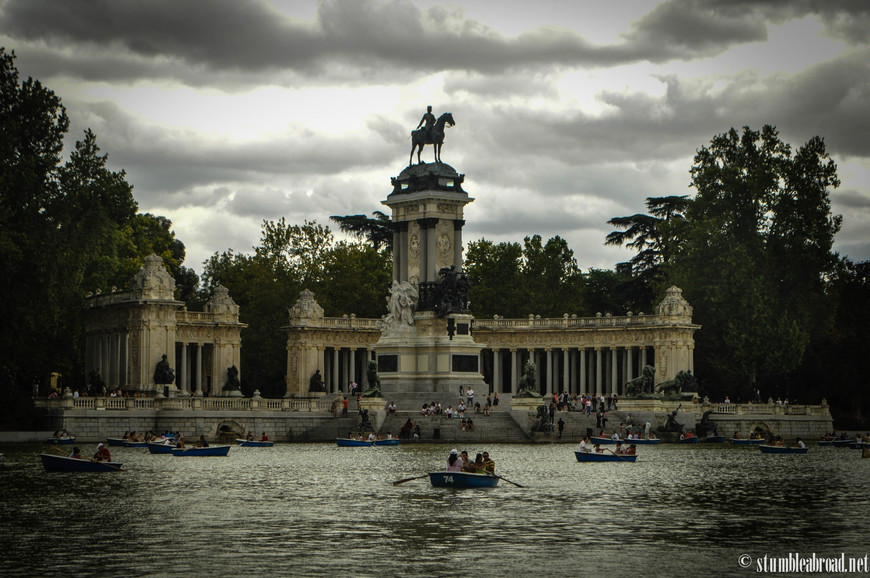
336, 353
581, 382
515, 373
643, 362
184, 370
566, 367
599, 386
614, 370
364, 378
496, 369
199, 369
630, 364
551, 382
352, 373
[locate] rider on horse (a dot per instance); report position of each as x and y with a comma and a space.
429, 120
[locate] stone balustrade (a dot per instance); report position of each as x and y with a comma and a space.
769, 409
320, 404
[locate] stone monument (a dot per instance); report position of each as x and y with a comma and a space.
426, 343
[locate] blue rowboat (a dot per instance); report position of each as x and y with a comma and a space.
743, 442
160, 448
605, 440
859, 445
392, 442
828, 443
691, 440
208, 451
349, 443
254, 443
603, 457
842, 443
462, 480
55, 441
765, 449
135, 444
714, 439
642, 442
53, 463
116, 441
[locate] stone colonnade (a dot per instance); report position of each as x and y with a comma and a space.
595, 355
128, 333
576, 370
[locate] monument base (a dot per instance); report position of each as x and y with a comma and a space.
423, 357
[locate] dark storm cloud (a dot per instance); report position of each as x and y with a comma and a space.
188, 160
218, 41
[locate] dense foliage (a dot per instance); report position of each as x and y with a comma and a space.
752, 252
65, 230
346, 278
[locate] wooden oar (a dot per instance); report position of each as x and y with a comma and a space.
505, 479
60, 451
616, 454
397, 482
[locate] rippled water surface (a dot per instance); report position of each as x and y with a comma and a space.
320, 510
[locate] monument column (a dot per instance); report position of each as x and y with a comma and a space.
457, 243
427, 251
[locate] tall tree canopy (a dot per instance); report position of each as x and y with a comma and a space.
65, 230
346, 278
512, 281
755, 254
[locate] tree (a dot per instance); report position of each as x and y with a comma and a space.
378, 230
496, 283
552, 279
755, 255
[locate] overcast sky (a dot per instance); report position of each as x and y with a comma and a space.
226, 113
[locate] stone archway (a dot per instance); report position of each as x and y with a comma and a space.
228, 430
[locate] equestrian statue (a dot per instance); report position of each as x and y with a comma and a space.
432, 133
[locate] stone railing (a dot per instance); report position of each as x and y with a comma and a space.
566, 322
769, 409
316, 404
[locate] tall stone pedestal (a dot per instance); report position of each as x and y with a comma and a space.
423, 357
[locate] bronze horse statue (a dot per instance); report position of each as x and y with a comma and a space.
419, 140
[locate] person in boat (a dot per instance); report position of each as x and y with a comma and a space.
631, 450
800, 443
454, 462
584, 445
652, 435
779, 442
76, 453
126, 435
179, 441
264, 437
598, 449
249, 436
102, 454
615, 436
467, 464
202, 443
488, 463
619, 449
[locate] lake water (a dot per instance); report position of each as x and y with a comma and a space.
320, 510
